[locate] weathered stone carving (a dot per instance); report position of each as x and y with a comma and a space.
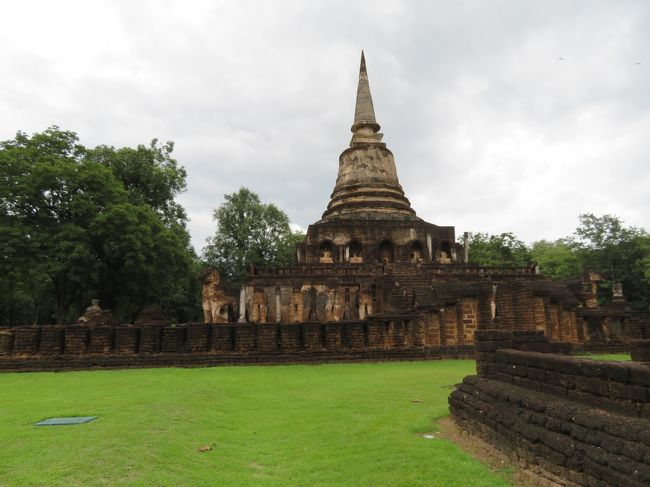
326, 253
216, 304
365, 304
152, 315
259, 307
443, 258
94, 315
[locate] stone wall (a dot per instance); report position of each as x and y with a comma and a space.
196, 344
582, 422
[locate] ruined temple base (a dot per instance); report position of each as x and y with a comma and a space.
523, 474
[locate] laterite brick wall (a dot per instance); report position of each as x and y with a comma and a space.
583, 422
78, 346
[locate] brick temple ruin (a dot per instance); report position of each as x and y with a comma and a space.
371, 257
372, 281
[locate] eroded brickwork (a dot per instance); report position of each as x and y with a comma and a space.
469, 310
539, 314
413, 336
582, 421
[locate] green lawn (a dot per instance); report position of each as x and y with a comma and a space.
340, 424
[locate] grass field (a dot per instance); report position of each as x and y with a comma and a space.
339, 424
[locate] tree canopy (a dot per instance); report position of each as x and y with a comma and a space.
599, 243
502, 249
149, 174
556, 259
605, 244
249, 232
72, 229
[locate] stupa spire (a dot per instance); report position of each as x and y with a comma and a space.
364, 112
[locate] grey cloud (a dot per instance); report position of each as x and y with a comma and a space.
490, 130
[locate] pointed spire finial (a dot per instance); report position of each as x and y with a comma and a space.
364, 113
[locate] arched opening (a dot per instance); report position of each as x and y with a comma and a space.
444, 254
417, 252
223, 312
355, 252
326, 252
386, 252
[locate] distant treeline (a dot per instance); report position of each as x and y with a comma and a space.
599, 243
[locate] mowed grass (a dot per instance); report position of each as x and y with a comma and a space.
337, 424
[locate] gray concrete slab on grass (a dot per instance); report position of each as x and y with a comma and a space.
66, 421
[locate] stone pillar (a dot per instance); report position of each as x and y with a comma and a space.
617, 293
465, 248
278, 306
493, 302
242, 305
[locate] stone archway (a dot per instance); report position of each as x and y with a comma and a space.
416, 254
355, 252
326, 252
386, 252
444, 254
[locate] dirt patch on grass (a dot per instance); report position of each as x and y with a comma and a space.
519, 474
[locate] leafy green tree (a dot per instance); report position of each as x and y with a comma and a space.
142, 261
70, 230
154, 179
49, 195
249, 232
149, 174
557, 260
24, 296
605, 244
496, 250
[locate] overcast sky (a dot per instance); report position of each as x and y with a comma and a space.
502, 115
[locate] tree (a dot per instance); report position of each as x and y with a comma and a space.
153, 178
149, 174
71, 230
49, 195
603, 243
142, 261
249, 233
599, 243
557, 260
496, 250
